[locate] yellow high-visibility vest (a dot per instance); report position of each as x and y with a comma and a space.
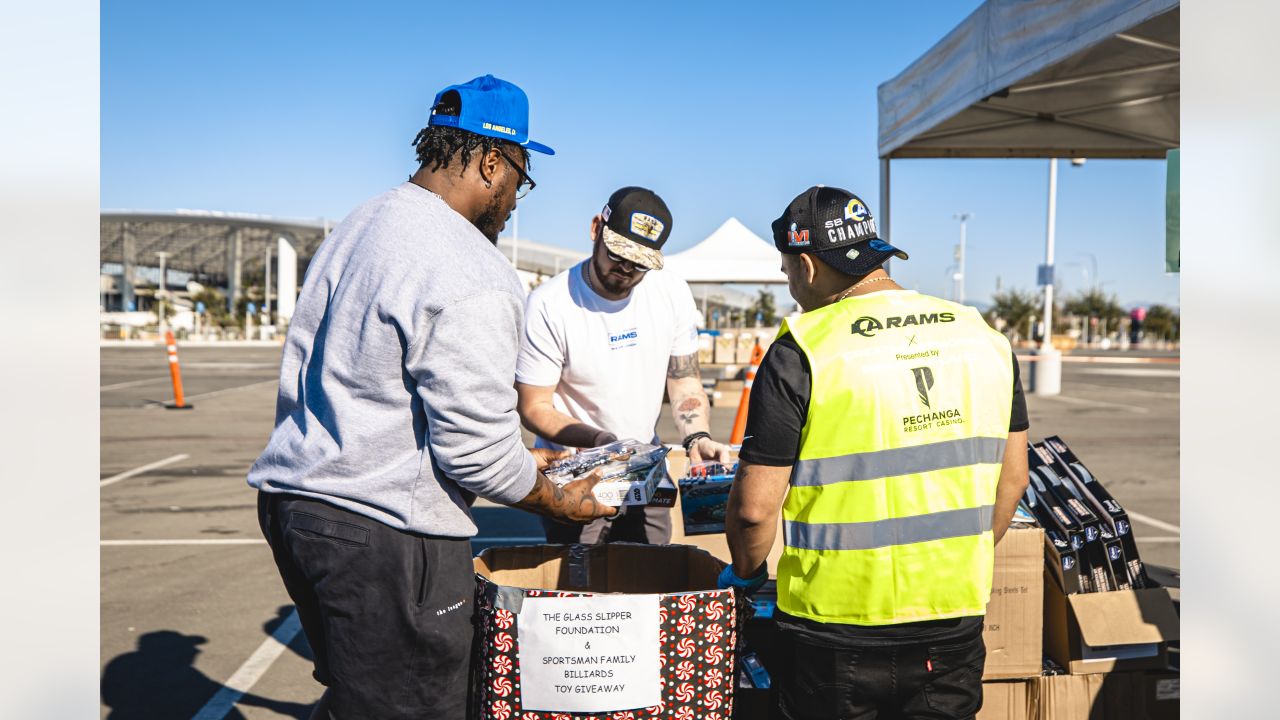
888, 517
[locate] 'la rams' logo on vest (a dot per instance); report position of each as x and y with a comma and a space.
867, 326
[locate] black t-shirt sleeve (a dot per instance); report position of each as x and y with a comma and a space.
778, 406
1018, 420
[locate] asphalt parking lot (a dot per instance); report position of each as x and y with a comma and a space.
195, 622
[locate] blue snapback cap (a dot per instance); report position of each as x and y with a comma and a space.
491, 107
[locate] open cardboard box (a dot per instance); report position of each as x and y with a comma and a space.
612, 568
697, 628
1014, 615
1007, 700
1102, 632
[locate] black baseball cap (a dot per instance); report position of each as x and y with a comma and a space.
637, 224
835, 226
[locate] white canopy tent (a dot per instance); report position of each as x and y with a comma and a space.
731, 254
1039, 78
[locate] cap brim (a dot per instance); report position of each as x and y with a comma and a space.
632, 250
860, 258
538, 147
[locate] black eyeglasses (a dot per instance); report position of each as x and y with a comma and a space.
621, 261
526, 182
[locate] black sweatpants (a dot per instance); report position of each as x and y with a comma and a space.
387, 612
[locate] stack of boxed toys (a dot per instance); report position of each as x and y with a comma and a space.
1075, 629
634, 473
1106, 624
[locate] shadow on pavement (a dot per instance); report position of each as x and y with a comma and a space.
299, 645
158, 681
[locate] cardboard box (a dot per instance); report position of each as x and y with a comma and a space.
1089, 633
1111, 696
1014, 615
540, 609
1007, 700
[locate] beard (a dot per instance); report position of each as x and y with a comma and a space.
494, 215
613, 282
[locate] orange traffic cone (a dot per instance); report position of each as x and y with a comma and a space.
175, 373
740, 421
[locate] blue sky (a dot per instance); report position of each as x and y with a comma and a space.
725, 109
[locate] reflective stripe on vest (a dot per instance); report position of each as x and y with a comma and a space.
892, 531
898, 461
889, 514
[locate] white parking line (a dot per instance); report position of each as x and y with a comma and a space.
224, 701
193, 541
1155, 523
203, 396
131, 383
1116, 388
1098, 403
145, 468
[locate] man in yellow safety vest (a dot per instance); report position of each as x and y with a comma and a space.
889, 429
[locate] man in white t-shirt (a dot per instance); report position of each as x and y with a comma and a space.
602, 341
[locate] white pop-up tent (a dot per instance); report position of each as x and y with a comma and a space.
1039, 78
731, 254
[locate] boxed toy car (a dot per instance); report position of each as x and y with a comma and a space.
704, 497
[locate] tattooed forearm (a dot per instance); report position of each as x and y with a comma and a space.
689, 409
683, 366
575, 502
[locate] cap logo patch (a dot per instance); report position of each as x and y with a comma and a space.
606, 212
797, 238
852, 254
881, 245
856, 211
646, 226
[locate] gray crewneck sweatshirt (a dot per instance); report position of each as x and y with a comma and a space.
397, 378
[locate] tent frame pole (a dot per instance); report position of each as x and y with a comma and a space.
885, 206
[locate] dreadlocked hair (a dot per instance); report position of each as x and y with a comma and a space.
437, 145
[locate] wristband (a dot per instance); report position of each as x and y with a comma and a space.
692, 438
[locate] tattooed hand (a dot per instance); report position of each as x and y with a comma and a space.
580, 499
574, 502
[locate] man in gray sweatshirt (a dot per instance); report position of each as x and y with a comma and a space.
397, 407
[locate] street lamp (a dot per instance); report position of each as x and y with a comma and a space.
160, 293
963, 218
1046, 373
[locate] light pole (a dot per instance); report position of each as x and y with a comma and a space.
1046, 371
963, 218
161, 290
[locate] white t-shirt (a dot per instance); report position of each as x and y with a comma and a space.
607, 358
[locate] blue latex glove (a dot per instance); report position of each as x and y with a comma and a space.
729, 579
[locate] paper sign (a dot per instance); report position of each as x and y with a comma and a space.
589, 654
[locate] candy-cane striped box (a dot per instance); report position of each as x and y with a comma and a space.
698, 625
